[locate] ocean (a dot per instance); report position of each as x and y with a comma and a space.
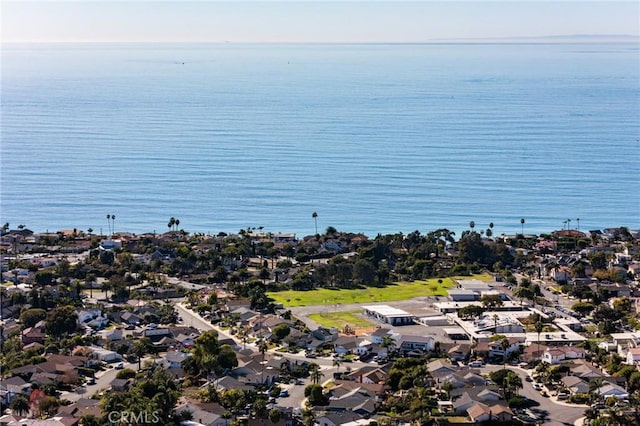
375, 138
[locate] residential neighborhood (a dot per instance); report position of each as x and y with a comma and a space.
196, 329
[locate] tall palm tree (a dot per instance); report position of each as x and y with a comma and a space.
472, 225
315, 374
522, 226
578, 220
314, 215
113, 222
539, 327
109, 223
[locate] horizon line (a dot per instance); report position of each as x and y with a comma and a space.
557, 38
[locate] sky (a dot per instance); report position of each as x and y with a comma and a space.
310, 21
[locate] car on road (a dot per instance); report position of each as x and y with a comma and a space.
476, 364
529, 379
91, 381
284, 393
119, 366
537, 386
562, 396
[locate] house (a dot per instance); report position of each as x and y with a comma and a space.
609, 389
82, 407
406, 343
12, 387
130, 318
346, 345
633, 356
33, 335
483, 413
174, 359
555, 355
86, 315
575, 384
121, 385
204, 414
440, 366
378, 335
338, 418
459, 352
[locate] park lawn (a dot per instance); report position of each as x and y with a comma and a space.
340, 319
388, 293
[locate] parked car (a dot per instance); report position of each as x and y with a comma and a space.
476, 364
537, 386
284, 393
563, 396
119, 366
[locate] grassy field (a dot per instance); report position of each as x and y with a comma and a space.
340, 319
388, 293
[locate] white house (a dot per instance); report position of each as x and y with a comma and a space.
611, 389
633, 356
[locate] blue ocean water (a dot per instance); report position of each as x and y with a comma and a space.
373, 137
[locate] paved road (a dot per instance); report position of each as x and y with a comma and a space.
552, 413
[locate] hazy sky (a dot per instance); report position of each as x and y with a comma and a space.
310, 21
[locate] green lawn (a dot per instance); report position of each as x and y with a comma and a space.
340, 319
391, 292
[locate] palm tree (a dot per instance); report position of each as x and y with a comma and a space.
113, 222
109, 223
177, 223
594, 387
539, 327
522, 226
578, 220
336, 363
315, 374
495, 322
472, 225
504, 344
314, 215
171, 223
20, 405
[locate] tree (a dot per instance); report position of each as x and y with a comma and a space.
62, 320
281, 331
32, 316
471, 311
315, 374
472, 225
491, 300
314, 215
20, 405
140, 348
275, 415
539, 327
522, 292
522, 226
